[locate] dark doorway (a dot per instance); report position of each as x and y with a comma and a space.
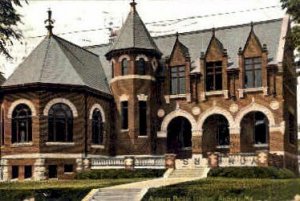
179, 140
52, 171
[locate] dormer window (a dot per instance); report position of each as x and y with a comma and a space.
214, 76
124, 66
141, 66
253, 75
178, 80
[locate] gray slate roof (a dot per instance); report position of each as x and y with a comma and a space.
134, 34
57, 61
232, 38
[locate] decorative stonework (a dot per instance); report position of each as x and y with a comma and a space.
125, 56
142, 97
274, 105
124, 97
21, 101
154, 64
178, 113
99, 107
161, 113
167, 98
60, 100
212, 111
253, 107
141, 56
233, 108
196, 111
162, 134
130, 77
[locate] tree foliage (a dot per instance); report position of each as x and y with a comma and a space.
8, 25
293, 8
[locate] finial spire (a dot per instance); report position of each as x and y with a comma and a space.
177, 35
49, 22
213, 31
133, 4
252, 25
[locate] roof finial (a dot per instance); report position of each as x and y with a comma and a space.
252, 25
49, 22
133, 4
177, 35
213, 31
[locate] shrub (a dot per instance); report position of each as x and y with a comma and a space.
251, 172
120, 173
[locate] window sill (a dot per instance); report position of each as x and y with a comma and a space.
260, 145
178, 96
143, 136
124, 130
223, 147
257, 89
69, 173
97, 146
22, 144
60, 143
214, 93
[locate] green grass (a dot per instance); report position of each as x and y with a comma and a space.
212, 189
72, 190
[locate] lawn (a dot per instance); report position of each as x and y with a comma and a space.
228, 189
72, 190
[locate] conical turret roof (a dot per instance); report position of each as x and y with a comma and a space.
134, 35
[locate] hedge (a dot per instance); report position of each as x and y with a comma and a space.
251, 172
120, 173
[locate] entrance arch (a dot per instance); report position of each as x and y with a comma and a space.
179, 137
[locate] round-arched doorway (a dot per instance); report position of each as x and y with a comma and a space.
179, 137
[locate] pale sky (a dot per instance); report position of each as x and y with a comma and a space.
71, 17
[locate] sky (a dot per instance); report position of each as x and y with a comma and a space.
87, 22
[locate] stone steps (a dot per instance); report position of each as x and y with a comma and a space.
107, 194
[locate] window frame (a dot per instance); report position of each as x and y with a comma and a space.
216, 70
124, 66
124, 115
26, 172
254, 71
141, 66
178, 79
143, 118
18, 121
54, 121
97, 123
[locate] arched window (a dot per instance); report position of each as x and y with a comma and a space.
21, 124
60, 123
124, 66
141, 66
97, 127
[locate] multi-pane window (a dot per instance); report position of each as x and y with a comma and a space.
60, 123
141, 66
253, 77
214, 76
21, 124
292, 130
124, 66
178, 80
124, 114
97, 127
143, 117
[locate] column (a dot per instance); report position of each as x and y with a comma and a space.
235, 140
39, 169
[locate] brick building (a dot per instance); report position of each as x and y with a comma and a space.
224, 96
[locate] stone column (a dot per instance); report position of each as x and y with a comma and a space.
39, 169
79, 164
235, 140
4, 165
86, 164
196, 142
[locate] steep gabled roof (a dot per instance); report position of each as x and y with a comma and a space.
183, 49
57, 61
134, 34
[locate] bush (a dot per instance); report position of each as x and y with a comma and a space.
120, 173
251, 172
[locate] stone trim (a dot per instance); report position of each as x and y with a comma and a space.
60, 100
178, 113
124, 97
97, 106
60, 143
125, 56
141, 56
127, 77
42, 155
252, 108
97, 146
21, 101
215, 110
178, 96
162, 134
142, 97
22, 144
